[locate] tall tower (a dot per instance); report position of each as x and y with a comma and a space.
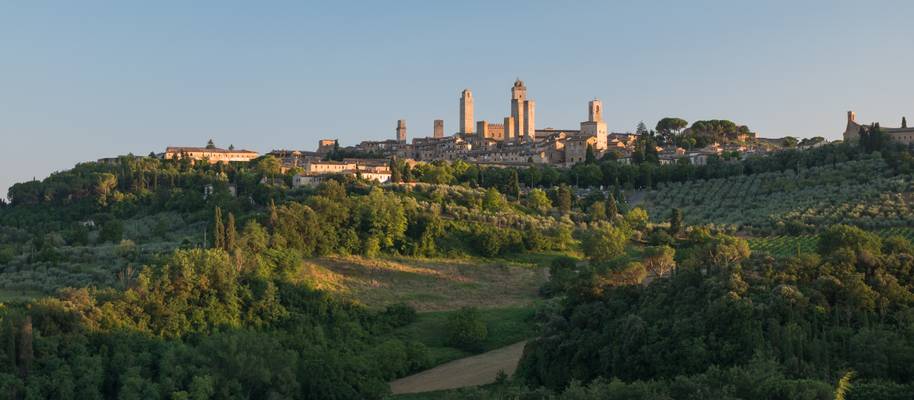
594, 126
438, 131
529, 125
519, 91
522, 111
401, 131
466, 112
518, 97
509, 129
595, 108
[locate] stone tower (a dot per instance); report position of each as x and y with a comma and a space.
594, 126
522, 111
595, 113
529, 125
466, 112
401, 131
509, 128
438, 131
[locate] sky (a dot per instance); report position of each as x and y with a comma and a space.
91, 79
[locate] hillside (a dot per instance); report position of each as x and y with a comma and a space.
149, 278
866, 193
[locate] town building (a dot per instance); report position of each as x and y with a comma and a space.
210, 153
903, 135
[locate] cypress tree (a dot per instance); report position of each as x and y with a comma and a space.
564, 199
218, 230
676, 222
590, 157
26, 353
274, 217
514, 185
394, 171
230, 234
612, 209
904, 122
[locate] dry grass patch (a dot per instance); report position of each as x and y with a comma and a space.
426, 284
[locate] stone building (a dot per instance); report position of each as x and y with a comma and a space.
325, 146
210, 153
903, 135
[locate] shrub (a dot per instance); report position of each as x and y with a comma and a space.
466, 329
400, 314
112, 231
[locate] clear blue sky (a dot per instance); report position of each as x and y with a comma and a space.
81, 80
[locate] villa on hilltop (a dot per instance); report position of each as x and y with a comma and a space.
210, 153
903, 135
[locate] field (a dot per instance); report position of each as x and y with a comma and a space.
427, 284
863, 193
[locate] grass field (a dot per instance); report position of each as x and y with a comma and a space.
427, 284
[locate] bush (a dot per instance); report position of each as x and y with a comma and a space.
112, 231
400, 314
467, 330
6, 254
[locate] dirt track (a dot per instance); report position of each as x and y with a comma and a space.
471, 371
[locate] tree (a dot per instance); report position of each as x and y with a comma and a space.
612, 207
605, 242
844, 386
659, 260
493, 201
394, 171
26, 352
676, 222
597, 211
852, 238
218, 230
514, 185
230, 234
563, 198
269, 166
467, 330
274, 217
637, 218
210, 145
668, 128
539, 201
904, 122
105, 183
790, 142
112, 231
590, 157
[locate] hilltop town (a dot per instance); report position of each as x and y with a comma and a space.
516, 142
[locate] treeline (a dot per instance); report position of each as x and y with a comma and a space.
646, 172
728, 325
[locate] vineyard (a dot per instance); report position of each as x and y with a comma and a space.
781, 246
864, 193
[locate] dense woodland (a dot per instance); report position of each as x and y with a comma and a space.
148, 278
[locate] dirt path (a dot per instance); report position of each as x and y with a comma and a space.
471, 371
